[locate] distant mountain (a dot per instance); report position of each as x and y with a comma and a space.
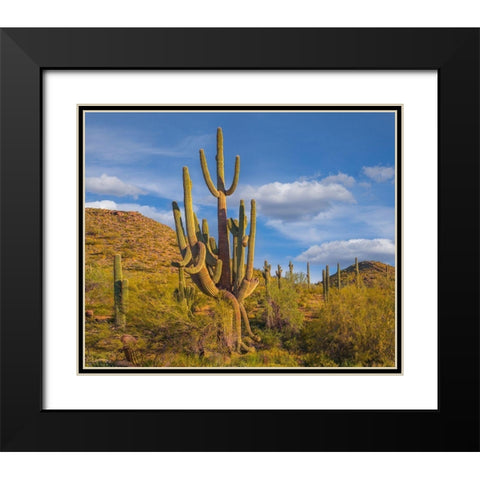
369, 271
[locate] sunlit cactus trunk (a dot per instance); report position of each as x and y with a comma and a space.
338, 276
120, 293
207, 261
308, 275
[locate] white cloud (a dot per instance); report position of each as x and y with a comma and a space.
300, 199
345, 251
341, 178
162, 216
379, 173
339, 221
107, 185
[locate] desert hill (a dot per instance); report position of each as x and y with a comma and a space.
144, 244
370, 271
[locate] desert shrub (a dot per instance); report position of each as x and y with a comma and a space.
355, 328
281, 309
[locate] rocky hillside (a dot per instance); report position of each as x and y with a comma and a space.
369, 270
143, 243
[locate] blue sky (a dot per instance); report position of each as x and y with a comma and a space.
324, 182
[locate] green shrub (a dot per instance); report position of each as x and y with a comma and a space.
281, 309
355, 328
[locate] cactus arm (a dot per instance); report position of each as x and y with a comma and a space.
218, 272
188, 204
251, 240
206, 174
205, 231
220, 162
186, 259
239, 268
236, 176
213, 245
197, 227
205, 284
177, 216
232, 225
211, 259
200, 261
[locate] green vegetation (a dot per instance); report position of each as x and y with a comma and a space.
297, 328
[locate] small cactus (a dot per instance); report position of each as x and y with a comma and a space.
327, 280
278, 273
266, 275
324, 286
120, 293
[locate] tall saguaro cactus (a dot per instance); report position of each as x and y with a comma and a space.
120, 293
208, 265
221, 193
290, 269
308, 274
338, 276
278, 273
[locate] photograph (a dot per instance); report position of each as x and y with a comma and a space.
239, 239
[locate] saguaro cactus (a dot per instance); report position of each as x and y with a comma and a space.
338, 276
327, 279
324, 286
278, 273
308, 274
120, 292
290, 269
208, 265
266, 275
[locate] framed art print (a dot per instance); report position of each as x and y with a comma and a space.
150, 304
192, 239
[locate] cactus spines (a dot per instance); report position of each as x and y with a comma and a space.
357, 272
338, 276
120, 293
278, 273
208, 262
308, 274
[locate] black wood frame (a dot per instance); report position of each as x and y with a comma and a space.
26, 53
